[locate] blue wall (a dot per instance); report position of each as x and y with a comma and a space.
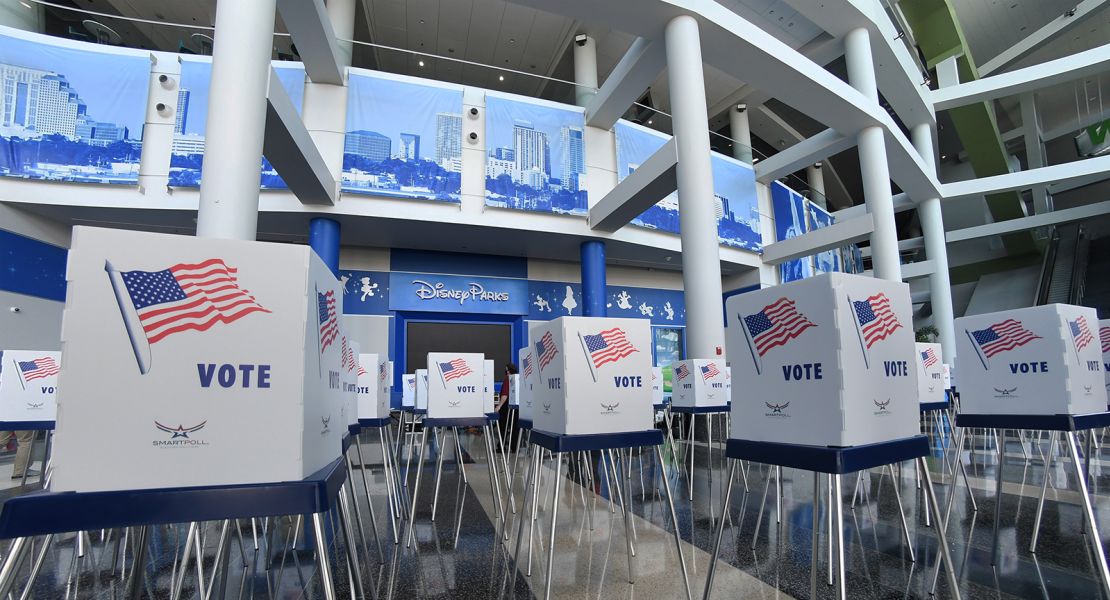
32, 267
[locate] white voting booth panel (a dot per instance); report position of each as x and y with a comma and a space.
421, 389
514, 389
29, 385
657, 386
197, 356
947, 374
528, 378
930, 373
1104, 341
826, 361
373, 387
455, 385
699, 383
408, 390
488, 388
594, 376
1043, 360
349, 351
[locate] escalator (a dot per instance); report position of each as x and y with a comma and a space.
1075, 269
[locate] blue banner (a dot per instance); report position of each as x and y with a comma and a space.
187, 157
71, 111
535, 155
365, 292
32, 267
553, 299
457, 294
663, 307
790, 221
404, 137
828, 261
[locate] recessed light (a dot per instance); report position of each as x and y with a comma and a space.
421, 63
512, 40
421, 21
649, 121
501, 78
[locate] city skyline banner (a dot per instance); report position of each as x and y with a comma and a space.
789, 208
403, 137
736, 203
191, 118
71, 111
828, 261
535, 155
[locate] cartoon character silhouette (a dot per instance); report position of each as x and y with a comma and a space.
542, 303
623, 300
368, 288
669, 311
343, 279
646, 310
568, 302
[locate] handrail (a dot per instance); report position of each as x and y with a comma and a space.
1078, 282
1049, 262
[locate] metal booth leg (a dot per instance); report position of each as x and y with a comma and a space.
1089, 515
554, 521
416, 487
674, 521
326, 582
721, 534
1044, 490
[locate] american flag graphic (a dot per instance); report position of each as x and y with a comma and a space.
545, 349
454, 369
1104, 337
527, 365
608, 346
1001, 337
875, 318
709, 371
382, 371
37, 368
329, 322
775, 325
928, 358
361, 371
681, 372
187, 296
1080, 333
346, 356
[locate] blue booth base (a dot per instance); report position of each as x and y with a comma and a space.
368, 423
457, 422
596, 441
825, 459
26, 425
930, 406
1045, 422
525, 424
354, 429
699, 410
41, 513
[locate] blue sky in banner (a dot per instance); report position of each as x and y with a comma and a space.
91, 129
738, 222
404, 139
790, 221
192, 118
535, 156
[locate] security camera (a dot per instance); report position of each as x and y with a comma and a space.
817, 165
1070, 12
741, 107
163, 109
15, 309
580, 39
473, 137
473, 113
166, 81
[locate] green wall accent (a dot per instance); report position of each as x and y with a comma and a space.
938, 33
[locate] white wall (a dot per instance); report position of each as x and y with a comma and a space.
1004, 291
370, 332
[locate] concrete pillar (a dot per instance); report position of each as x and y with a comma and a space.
323, 237
815, 177
341, 13
932, 229
236, 119
585, 69
741, 132
593, 279
873, 164
701, 259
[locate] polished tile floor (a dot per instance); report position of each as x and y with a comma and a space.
465, 552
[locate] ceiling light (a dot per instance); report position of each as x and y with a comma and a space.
501, 78
649, 121
421, 63
512, 40
421, 21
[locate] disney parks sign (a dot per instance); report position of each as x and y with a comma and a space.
459, 294
475, 291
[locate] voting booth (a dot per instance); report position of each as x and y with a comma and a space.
1104, 341
699, 383
514, 389
421, 389
488, 378
408, 390
528, 377
197, 356
930, 374
1043, 360
373, 387
455, 385
349, 352
657, 386
594, 376
29, 385
825, 361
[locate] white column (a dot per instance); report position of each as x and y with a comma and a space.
236, 119
701, 259
741, 133
815, 177
341, 13
932, 229
872, 159
585, 69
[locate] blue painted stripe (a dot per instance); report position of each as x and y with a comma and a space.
32, 267
458, 263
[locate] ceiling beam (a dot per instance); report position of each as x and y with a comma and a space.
902, 203
803, 154
834, 236
1021, 180
1042, 36
637, 69
1029, 79
654, 179
1055, 217
290, 149
311, 30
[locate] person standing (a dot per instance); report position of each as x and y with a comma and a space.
503, 407
22, 453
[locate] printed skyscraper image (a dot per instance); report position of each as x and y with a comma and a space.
535, 156
404, 139
70, 115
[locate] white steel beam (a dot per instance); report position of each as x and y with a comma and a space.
1021, 180
827, 238
648, 184
917, 270
637, 69
308, 24
290, 149
1042, 36
1046, 74
1066, 215
802, 154
902, 203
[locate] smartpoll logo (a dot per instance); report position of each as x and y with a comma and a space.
324, 422
180, 436
777, 410
1005, 393
610, 409
881, 407
35, 406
